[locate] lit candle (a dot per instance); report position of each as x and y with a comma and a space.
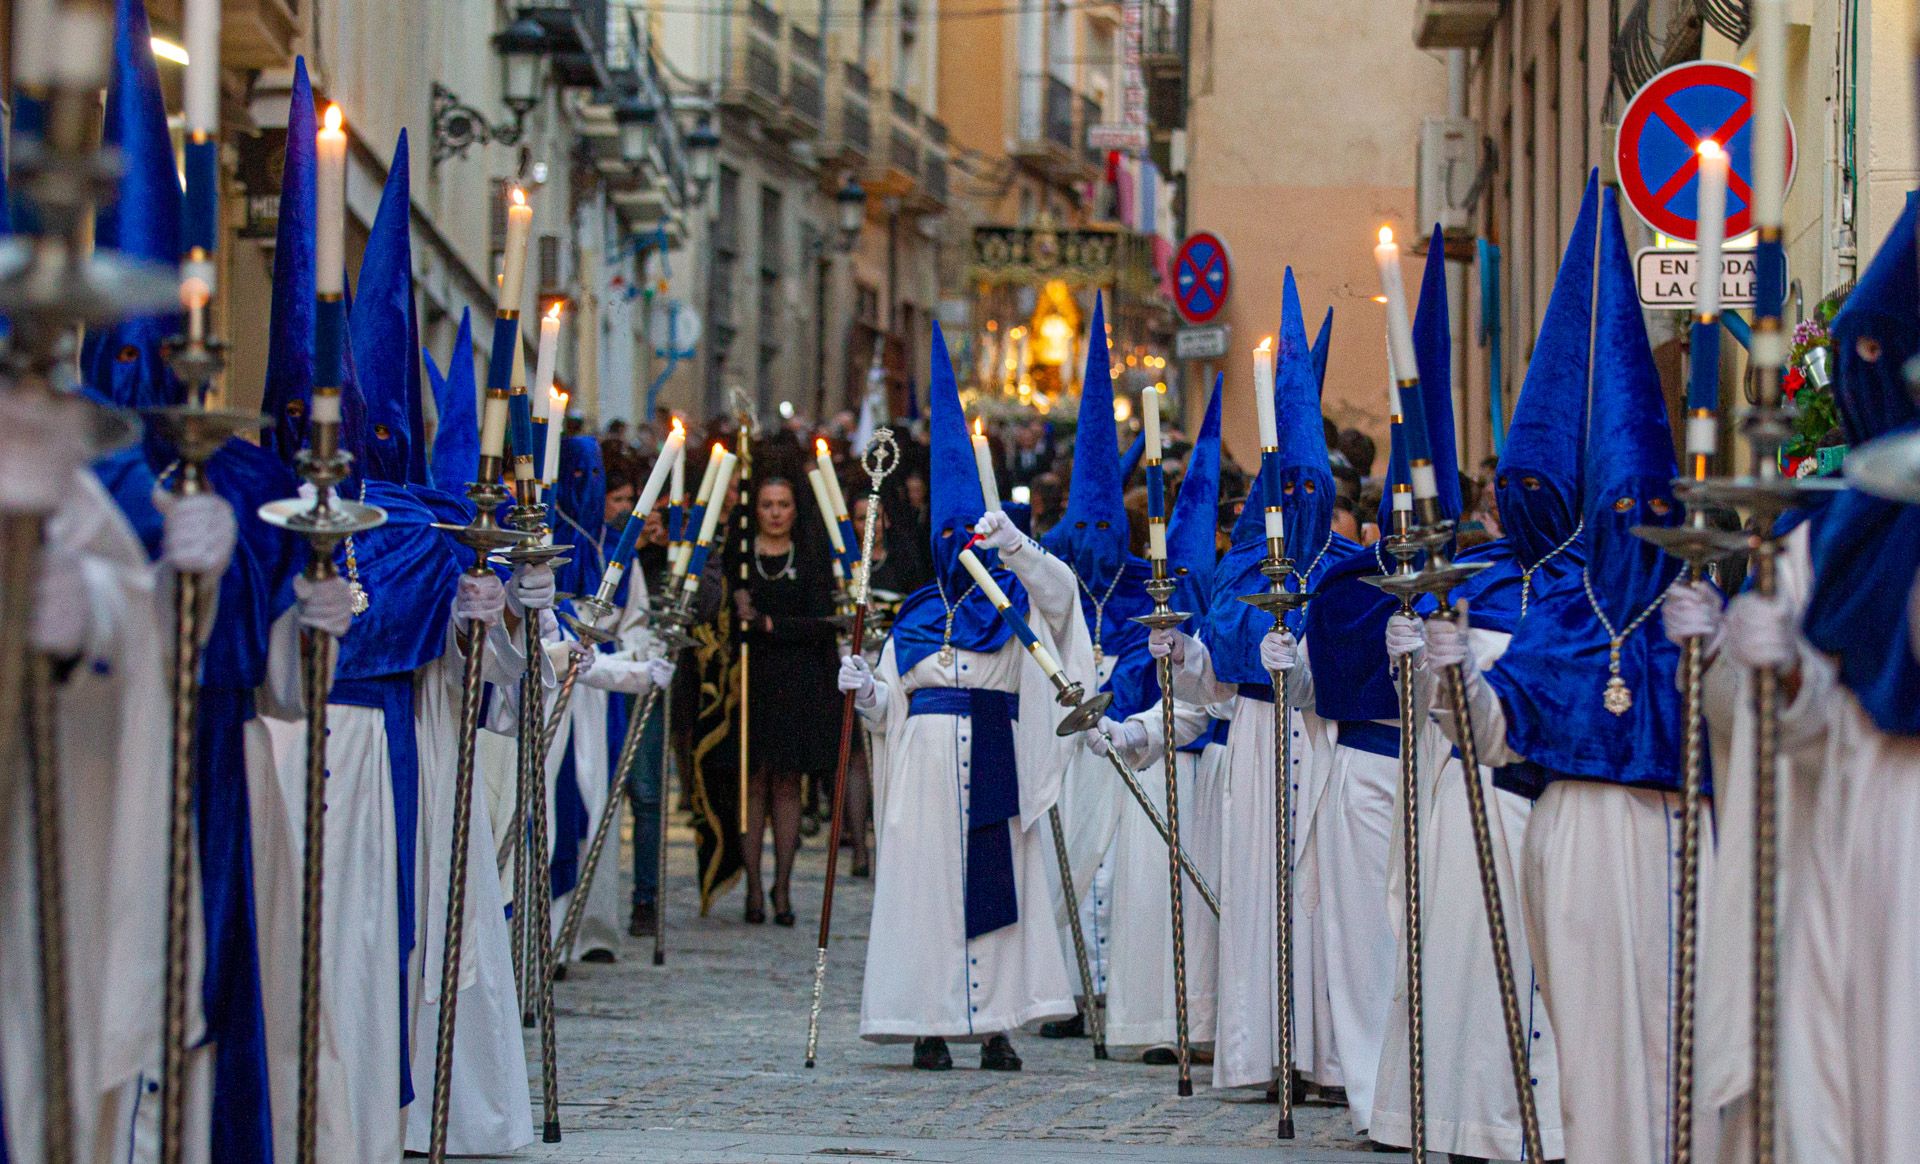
1386, 256
330, 199
514, 260
697, 560
203, 66
662, 469
1150, 419
1703, 372
1402, 492
983, 462
825, 502
1263, 394
677, 483
545, 356
493, 425
1009, 615
1769, 19
1156, 476
829, 476
1713, 227
556, 428
637, 520
697, 512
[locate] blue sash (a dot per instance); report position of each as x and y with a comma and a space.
993, 798
1260, 691
1215, 733
393, 696
1365, 735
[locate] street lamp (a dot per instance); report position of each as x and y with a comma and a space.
457, 126
703, 148
635, 116
852, 200
523, 45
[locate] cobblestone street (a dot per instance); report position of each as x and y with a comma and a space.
703, 1060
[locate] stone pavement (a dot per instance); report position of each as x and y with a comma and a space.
703, 1060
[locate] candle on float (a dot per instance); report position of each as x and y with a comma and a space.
513, 268
556, 429
546, 354
983, 579
1263, 394
983, 463
820, 497
203, 66
330, 205
1156, 476
1769, 18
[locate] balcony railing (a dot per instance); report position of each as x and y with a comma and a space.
1090, 117
806, 94
577, 36
754, 76
1058, 113
934, 180
849, 124
903, 149
764, 19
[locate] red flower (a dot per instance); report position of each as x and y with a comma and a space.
1796, 380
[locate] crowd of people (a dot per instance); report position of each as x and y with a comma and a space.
688, 645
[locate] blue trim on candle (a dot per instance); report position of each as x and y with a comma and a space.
506, 333
1413, 423
690, 528
1703, 375
1270, 487
198, 225
1770, 279
629, 540
329, 342
1156, 491
539, 446
520, 424
675, 518
851, 554
697, 564
1019, 627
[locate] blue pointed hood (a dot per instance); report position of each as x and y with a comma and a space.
1322, 348
1538, 482
384, 342
289, 388
579, 514
1092, 535
456, 444
1866, 549
1191, 544
1554, 675
125, 363
1306, 472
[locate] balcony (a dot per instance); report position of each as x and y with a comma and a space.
1454, 23
849, 124
578, 32
1046, 139
806, 92
1089, 117
893, 170
753, 80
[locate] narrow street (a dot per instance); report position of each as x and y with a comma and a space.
702, 1060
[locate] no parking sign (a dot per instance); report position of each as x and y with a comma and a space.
1657, 155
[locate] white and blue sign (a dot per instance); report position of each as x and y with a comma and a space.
1657, 155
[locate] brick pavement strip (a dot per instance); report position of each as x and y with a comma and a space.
703, 1059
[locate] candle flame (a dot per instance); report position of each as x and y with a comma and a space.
979, 426
559, 399
519, 196
1266, 345
335, 119
554, 311
1710, 149
719, 449
1386, 236
679, 430
820, 446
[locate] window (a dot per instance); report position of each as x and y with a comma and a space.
551, 279
773, 231
726, 223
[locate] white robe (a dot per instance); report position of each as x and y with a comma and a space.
924, 977
111, 727
1090, 808
1140, 984
1470, 1104
1247, 1033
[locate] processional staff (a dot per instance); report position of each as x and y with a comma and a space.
881, 457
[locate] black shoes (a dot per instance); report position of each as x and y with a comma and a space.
756, 916
1164, 1056
782, 917
996, 1054
599, 955
640, 922
1073, 1028
932, 1055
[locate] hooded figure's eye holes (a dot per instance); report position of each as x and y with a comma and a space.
1308, 486
1624, 505
296, 409
1530, 483
1102, 525
127, 354
1659, 506
1868, 348
382, 431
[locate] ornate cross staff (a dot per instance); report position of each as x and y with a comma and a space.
881, 458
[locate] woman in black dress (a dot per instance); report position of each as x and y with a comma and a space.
788, 604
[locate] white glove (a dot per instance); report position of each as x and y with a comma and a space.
586, 654
61, 607
1129, 737
1446, 643
1165, 642
324, 606
996, 531
856, 676
199, 534
1404, 637
1691, 611
1759, 631
532, 589
660, 672
480, 598
1279, 651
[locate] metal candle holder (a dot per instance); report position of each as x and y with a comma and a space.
1160, 588
1278, 602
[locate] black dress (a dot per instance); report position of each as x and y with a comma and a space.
793, 719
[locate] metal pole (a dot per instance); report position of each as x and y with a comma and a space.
1161, 589
1096, 1021
603, 828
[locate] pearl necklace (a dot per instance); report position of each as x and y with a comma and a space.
952, 609
786, 567
1618, 697
1526, 575
1302, 576
1099, 613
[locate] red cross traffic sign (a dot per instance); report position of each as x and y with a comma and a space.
1201, 277
1657, 155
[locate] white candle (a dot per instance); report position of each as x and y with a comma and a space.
545, 356
829, 477
1157, 541
826, 511
677, 483
203, 66
517, 378
1150, 417
513, 269
1386, 256
1713, 228
330, 199
714, 457
983, 463
721, 480
1769, 112
998, 597
326, 406
493, 425
662, 466
1263, 394
82, 40
556, 426
33, 28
